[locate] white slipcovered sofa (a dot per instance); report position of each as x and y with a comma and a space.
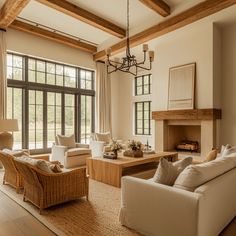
155, 209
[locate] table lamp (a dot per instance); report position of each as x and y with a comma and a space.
6, 138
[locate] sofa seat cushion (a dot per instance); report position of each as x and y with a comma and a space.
67, 141
195, 175
76, 161
167, 172
78, 151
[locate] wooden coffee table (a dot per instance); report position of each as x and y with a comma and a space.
110, 171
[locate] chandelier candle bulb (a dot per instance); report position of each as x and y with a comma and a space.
145, 47
151, 55
109, 52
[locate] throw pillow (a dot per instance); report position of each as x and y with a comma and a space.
103, 137
55, 168
40, 164
224, 149
211, 155
67, 141
16, 153
167, 172
195, 175
44, 166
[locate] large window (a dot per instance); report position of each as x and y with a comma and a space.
35, 119
86, 115
49, 98
54, 116
142, 118
14, 111
143, 85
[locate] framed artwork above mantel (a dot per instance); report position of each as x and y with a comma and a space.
181, 94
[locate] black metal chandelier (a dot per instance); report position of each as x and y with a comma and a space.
129, 63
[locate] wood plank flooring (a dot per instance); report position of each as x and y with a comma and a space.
15, 220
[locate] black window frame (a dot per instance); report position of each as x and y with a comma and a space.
26, 85
143, 120
142, 85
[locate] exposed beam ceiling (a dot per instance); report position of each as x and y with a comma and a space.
10, 11
25, 27
158, 6
189, 16
85, 16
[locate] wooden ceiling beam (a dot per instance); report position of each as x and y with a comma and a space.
43, 33
85, 16
158, 6
187, 17
10, 10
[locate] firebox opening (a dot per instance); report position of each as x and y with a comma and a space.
184, 138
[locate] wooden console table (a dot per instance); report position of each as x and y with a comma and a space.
110, 171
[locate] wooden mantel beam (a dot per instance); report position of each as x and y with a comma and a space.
85, 16
10, 10
25, 27
158, 6
187, 17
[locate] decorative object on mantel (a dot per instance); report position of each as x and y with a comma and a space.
182, 87
134, 149
129, 61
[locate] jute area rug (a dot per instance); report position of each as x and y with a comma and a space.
98, 216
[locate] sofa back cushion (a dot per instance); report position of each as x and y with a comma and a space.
167, 172
195, 175
67, 141
40, 164
103, 137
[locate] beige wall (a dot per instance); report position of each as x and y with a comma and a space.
228, 85
191, 44
194, 44
35, 46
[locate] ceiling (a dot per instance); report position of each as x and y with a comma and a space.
141, 17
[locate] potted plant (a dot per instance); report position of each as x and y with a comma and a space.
115, 147
134, 149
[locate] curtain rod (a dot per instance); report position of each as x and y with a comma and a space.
3, 30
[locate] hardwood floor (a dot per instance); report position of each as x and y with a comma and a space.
14, 220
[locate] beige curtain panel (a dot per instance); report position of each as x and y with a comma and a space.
103, 91
3, 79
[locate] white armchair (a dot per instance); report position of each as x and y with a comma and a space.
98, 148
100, 143
70, 157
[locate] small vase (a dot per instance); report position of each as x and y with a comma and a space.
116, 154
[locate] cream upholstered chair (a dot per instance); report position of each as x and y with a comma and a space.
48, 189
69, 153
100, 143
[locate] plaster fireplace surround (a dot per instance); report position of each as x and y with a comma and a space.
173, 127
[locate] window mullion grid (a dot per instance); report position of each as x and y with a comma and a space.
34, 87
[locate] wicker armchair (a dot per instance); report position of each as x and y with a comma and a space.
11, 175
48, 189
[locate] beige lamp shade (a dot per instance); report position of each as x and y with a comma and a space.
8, 125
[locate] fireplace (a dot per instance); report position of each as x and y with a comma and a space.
198, 125
184, 137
